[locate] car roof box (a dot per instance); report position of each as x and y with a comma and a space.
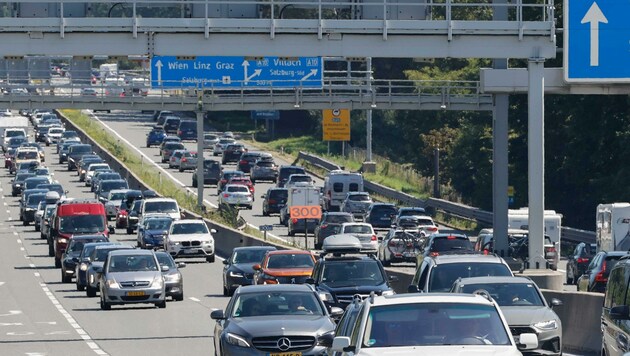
341, 243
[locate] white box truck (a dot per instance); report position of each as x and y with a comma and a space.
519, 219
612, 227
301, 194
337, 184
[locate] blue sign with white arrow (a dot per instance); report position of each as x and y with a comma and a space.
235, 72
597, 41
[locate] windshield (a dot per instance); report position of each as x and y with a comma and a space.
451, 244
80, 149
189, 228
286, 260
34, 199
158, 224
508, 294
68, 134
77, 245
285, 303
94, 167
165, 260
248, 256
420, 324
132, 263
352, 273
443, 276
82, 224
384, 212
27, 155
9, 133
107, 186
160, 207
338, 219
359, 197
357, 229
210, 164
32, 183
117, 196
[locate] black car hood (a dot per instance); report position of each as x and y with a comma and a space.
276, 325
243, 267
354, 289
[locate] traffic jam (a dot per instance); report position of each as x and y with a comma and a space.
127, 246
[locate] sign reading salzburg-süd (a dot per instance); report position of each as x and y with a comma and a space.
235, 72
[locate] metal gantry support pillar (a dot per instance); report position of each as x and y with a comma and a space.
368, 157
500, 128
536, 162
200, 157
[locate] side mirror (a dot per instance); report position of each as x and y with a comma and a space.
75, 259
393, 278
257, 267
226, 262
217, 314
527, 341
412, 288
556, 302
181, 264
213, 231
341, 344
111, 229
336, 312
620, 312
263, 196
379, 238
98, 269
164, 268
309, 281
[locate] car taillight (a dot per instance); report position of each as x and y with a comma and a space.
392, 243
324, 226
226, 195
243, 162
180, 132
433, 229
582, 260
599, 277
373, 238
433, 254
184, 159
294, 220
451, 237
550, 249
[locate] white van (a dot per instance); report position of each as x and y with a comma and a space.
337, 184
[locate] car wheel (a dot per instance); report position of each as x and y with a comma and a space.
51, 251
210, 258
569, 279
161, 305
65, 278
179, 297
194, 184
24, 222
104, 304
37, 228
90, 292
265, 213
57, 263
225, 291
80, 288
129, 231
138, 244
41, 235
180, 170
148, 145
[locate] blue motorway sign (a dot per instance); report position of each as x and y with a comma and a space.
265, 228
596, 41
235, 72
265, 115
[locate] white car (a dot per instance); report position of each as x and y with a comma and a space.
54, 135
209, 140
428, 324
190, 238
114, 199
236, 195
362, 231
221, 145
89, 173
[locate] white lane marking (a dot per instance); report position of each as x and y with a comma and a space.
18, 240
46, 322
2, 283
561, 270
21, 248
194, 299
8, 211
77, 328
25, 333
11, 324
31, 265
12, 312
34, 354
5, 204
147, 158
64, 332
36, 274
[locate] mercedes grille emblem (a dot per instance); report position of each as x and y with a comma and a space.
284, 344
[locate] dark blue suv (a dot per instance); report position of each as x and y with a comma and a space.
187, 130
156, 136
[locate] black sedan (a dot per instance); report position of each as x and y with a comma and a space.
596, 275
274, 319
239, 268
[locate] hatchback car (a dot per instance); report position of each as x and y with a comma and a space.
356, 203
172, 277
380, 215
71, 255
155, 136
362, 231
264, 170
400, 246
167, 150
238, 269
211, 173
247, 160
188, 161
274, 200
274, 320
132, 276
329, 224
236, 195
187, 130
579, 260
171, 124
226, 175
232, 153
525, 308
153, 230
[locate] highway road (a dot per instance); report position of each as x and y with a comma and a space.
41, 316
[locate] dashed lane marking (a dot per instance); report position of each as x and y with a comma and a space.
194, 299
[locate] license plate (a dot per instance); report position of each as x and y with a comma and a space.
190, 252
385, 219
135, 294
285, 354
409, 254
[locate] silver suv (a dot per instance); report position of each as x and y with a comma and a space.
132, 276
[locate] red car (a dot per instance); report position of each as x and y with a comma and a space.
243, 181
121, 216
8, 158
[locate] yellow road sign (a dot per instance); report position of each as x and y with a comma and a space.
336, 125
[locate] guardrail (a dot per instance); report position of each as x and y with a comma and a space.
568, 234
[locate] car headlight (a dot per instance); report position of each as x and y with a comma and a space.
112, 284
326, 339
83, 267
62, 241
236, 274
546, 325
172, 277
209, 242
158, 282
18, 185
236, 340
388, 292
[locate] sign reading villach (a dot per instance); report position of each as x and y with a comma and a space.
235, 72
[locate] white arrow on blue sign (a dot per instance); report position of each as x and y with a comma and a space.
236, 72
597, 41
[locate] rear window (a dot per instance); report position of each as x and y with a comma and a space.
383, 210
210, 164
611, 262
353, 187
339, 219
80, 149
286, 172
445, 244
187, 125
359, 197
338, 187
238, 189
265, 164
276, 194
443, 276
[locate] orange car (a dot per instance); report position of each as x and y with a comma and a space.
284, 267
